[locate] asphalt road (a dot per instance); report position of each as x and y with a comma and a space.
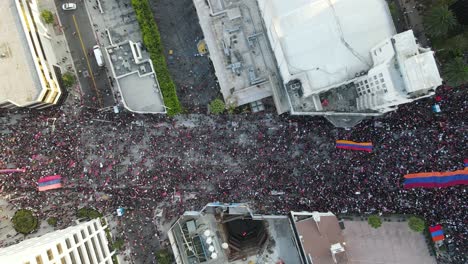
93, 79
180, 32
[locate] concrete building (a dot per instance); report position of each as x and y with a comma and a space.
340, 59
29, 70
84, 243
239, 49
135, 78
232, 233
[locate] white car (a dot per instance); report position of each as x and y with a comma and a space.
69, 6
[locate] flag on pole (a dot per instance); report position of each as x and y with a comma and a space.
347, 144
49, 183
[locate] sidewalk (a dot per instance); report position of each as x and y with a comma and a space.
118, 19
413, 12
61, 53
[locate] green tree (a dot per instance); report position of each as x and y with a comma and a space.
68, 79
374, 221
52, 221
118, 243
152, 41
88, 213
163, 257
448, 48
217, 106
24, 221
455, 72
439, 21
458, 44
416, 224
393, 11
47, 16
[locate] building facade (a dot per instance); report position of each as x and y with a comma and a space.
85, 243
30, 67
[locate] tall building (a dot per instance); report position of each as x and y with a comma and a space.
84, 243
340, 59
29, 70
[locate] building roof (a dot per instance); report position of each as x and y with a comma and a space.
86, 241
136, 79
19, 81
319, 233
195, 232
301, 237
328, 39
239, 49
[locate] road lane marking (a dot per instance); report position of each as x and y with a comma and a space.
87, 61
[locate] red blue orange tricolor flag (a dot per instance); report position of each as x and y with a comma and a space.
347, 144
49, 183
436, 179
437, 233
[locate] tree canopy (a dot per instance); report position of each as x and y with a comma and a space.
163, 257
88, 213
24, 221
217, 106
439, 21
52, 221
374, 221
456, 72
68, 79
416, 224
47, 16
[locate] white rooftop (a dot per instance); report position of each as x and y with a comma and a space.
19, 82
329, 40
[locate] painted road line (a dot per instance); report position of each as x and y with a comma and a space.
87, 62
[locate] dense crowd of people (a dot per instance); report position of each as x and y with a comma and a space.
140, 162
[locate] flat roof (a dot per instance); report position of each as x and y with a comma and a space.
318, 232
140, 93
18, 77
239, 49
136, 79
330, 40
393, 242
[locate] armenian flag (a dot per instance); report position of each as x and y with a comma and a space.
347, 144
436, 179
437, 233
12, 170
49, 183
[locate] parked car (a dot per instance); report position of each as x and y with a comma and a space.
69, 6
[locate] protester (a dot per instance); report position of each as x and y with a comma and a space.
107, 161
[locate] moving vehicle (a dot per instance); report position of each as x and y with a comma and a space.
69, 6
98, 55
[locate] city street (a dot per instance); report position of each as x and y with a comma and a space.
138, 162
93, 79
156, 167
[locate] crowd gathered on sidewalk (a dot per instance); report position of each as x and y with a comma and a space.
111, 160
